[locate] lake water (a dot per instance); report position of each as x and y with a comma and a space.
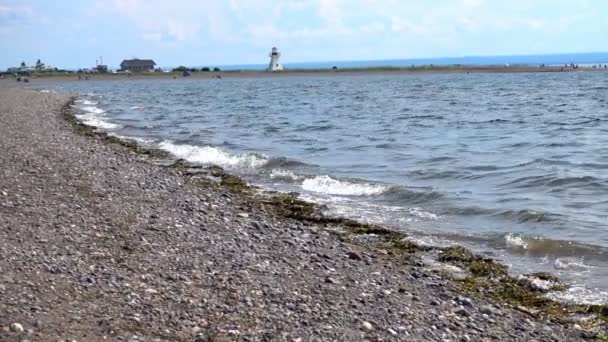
511, 165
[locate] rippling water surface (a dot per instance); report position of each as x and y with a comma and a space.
513, 165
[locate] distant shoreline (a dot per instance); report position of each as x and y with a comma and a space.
449, 69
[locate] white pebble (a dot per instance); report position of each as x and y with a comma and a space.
367, 326
16, 327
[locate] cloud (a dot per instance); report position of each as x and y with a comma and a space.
18, 15
155, 37
472, 3
331, 12
126, 6
181, 31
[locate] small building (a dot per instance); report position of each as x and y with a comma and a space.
137, 65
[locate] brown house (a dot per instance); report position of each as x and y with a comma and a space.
137, 65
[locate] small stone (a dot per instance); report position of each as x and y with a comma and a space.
392, 332
354, 255
465, 301
4, 193
16, 327
243, 215
487, 309
330, 280
461, 311
367, 326
435, 302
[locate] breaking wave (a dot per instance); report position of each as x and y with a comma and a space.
284, 175
332, 186
98, 122
93, 109
213, 155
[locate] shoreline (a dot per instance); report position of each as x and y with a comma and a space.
378, 71
301, 245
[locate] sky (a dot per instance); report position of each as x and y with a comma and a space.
73, 34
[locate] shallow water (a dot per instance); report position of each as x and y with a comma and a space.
513, 165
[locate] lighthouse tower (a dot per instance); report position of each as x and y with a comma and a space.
275, 64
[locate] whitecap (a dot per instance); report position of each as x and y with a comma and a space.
572, 265
97, 122
515, 241
213, 155
580, 295
93, 109
284, 175
331, 186
418, 212
143, 141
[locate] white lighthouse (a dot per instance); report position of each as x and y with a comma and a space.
275, 64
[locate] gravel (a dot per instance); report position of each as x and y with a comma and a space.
98, 243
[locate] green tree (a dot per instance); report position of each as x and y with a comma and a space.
216, 69
23, 64
180, 68
205, 69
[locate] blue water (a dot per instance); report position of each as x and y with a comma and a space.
512, 165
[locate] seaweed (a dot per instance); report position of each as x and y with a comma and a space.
234, 183
457, 254
216, 171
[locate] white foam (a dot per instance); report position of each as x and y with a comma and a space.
143, 141
97, 122
515, 241
580, 295
328, 185
418, 212
93, 109
284, 174
45, 91
539, 283
136, 107
213, 155
572, 265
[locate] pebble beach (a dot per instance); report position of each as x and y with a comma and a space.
101, 242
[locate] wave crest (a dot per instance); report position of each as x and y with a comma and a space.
331, 186
213, 155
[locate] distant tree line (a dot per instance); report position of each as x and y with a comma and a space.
205, 69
